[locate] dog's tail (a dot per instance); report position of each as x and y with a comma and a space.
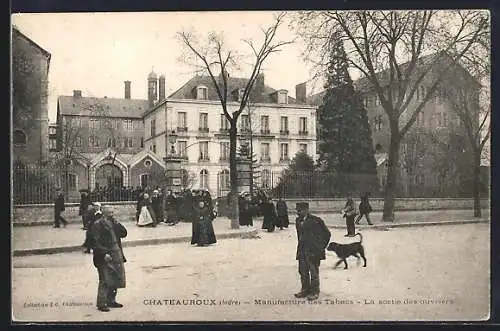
360, 236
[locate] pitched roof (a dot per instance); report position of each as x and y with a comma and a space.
363, 84
112, 107
15, 30
260, 95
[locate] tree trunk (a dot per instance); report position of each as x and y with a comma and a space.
477, 183
233, 175
392, 174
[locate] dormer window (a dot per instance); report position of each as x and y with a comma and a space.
283, 96
201, 92
238, 94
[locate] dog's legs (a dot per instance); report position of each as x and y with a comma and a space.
345, 263
362, 253
337, 264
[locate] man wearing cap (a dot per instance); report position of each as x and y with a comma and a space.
313, 237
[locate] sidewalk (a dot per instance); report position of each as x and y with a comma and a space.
32, 240
45, 239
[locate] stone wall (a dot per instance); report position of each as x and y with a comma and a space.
125, 211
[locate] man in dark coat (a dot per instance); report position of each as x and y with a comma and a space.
270, 216
58, 209
106, 234
157, 205
82, 210
313, 237
171, 208
282, 211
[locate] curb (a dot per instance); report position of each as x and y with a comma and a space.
413, 224
132, 243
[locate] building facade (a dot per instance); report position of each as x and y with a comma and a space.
123, 142
30, 120
190, 124
434, 145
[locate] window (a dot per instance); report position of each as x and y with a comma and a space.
204, 122
128, 125
282, 97
93, 141
204, 179
181, 121
438, 120
224, 151
284, 125
283, 151
181, 148
445, 119
264, 124
127, 142
202, 93
245, 123
303, 125
52, 130
264, 152
71, 181
154, 149
303, 148
144, 180
142, 142
93, 123
111, 142
76, 122
52, 144
421, 118
379, 123
225, 180
224, 123
153, 127
266, 179
204, 151
19, 137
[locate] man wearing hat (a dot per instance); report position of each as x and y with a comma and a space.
313, 237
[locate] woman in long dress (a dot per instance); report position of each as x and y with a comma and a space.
146, 216
282, 211
204, 234
270, 216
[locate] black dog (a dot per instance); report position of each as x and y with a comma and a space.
343, 251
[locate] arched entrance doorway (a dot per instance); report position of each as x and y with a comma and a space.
109, 175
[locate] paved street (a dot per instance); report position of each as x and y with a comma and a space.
446, 264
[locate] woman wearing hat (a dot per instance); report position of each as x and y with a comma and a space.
203, 232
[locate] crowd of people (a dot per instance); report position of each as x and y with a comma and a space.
104, 233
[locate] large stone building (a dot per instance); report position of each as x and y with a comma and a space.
30, 120
435, 141
123, 142
190, 123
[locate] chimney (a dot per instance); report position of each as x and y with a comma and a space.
300, 93
259, 81
77, 93
161, 88
127, 89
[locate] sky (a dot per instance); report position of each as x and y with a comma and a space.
97, 52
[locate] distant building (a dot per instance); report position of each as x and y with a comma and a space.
424, 169
30, 120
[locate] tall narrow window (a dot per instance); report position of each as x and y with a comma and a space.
224, 123
303, 125
225, 180
144, 180
245, 123
284, 125
224, 151
264, 151
202, 93
181, 121
303, 148
284, 152
181, 148
204, 151
204, 179
153, 127
266, 178
379, 123
204, 122
264, 124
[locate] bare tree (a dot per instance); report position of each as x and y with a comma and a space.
212, 57
388, 48
413, 151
